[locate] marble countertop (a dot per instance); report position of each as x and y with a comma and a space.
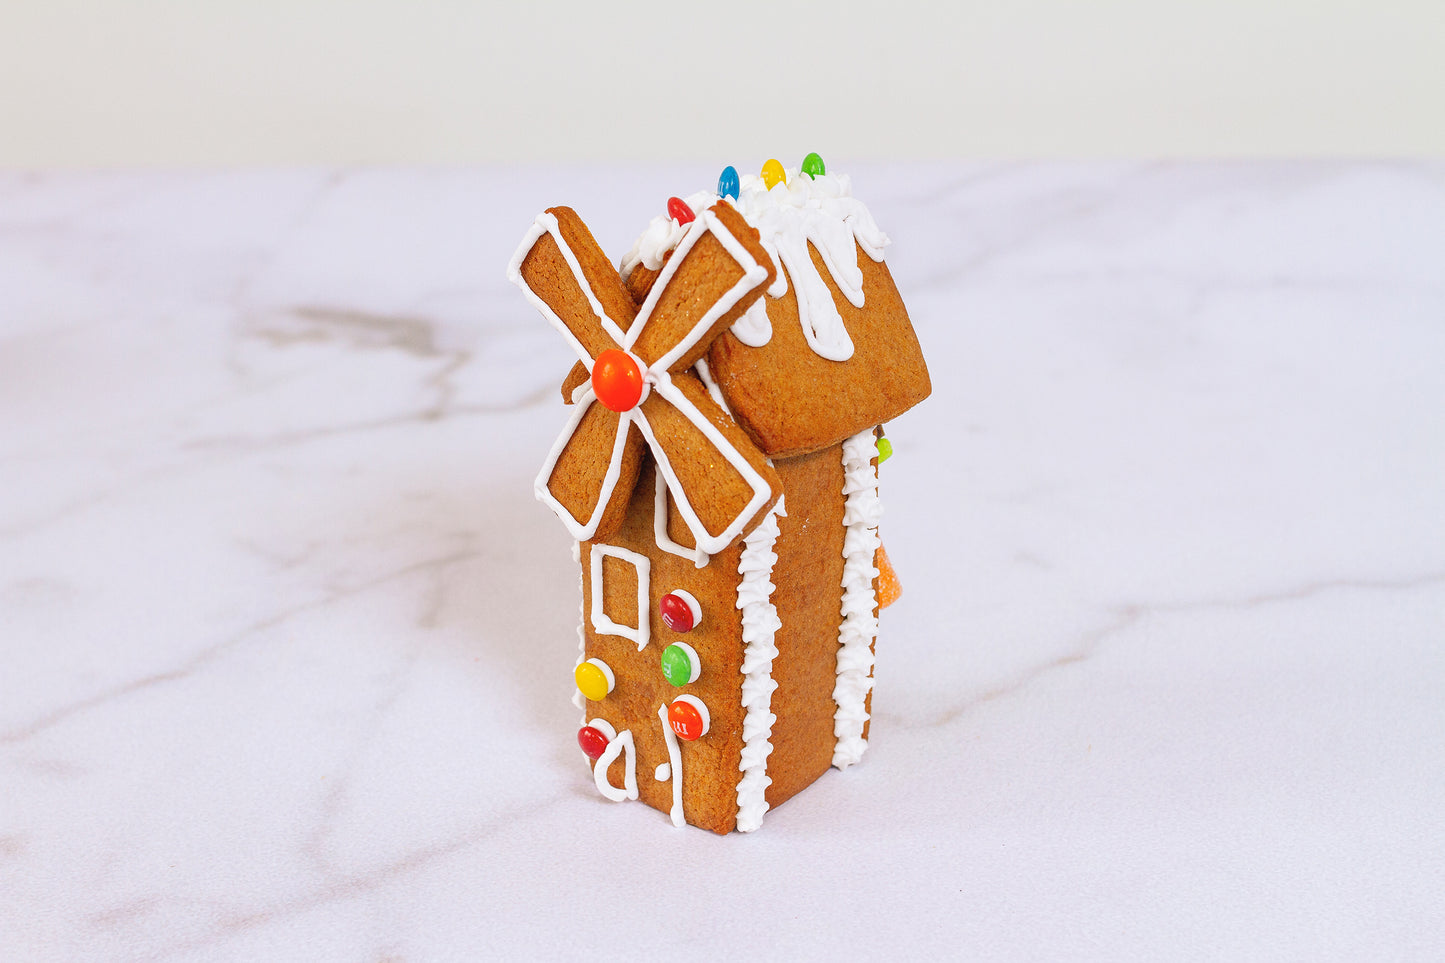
287, 643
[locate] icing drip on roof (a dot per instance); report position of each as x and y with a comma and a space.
801, 210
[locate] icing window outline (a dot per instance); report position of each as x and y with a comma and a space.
600, 621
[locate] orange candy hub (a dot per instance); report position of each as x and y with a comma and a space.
617, 380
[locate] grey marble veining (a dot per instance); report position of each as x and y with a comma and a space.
287, 642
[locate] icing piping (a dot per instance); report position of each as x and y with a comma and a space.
753, 328
674, 753
662, 235
547, 224
602, 726
620, 743
706, 541
760, 626
704, 374
600, 621
653, 375
663, 772
578, 699
659, 530
802, 211
753, 275
861, 511
583, 530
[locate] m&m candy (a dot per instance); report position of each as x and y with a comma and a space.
592, 741
680, 610
813, 166
688, 718
773, 174
885, 450
678, 210
680, 664
728, 183
617, 380
594, 679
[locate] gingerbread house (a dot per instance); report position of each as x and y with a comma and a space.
719, 471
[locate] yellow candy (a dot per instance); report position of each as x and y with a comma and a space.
594, 679
773, 174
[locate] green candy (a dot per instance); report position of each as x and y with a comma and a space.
813, 166
885, 450
676, 666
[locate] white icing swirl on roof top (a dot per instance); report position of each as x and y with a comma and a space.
797, 211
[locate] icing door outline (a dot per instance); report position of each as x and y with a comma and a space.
618, 745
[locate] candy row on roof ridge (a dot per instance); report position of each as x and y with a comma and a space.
729, 185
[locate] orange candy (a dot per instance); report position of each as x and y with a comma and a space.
688, 717
617, 380
888, 587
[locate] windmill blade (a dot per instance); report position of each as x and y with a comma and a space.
715, 273
576, 378
720, 483
563, 272
592, 469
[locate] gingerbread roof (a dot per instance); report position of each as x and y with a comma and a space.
830, 350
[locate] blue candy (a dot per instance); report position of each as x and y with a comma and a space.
727, 184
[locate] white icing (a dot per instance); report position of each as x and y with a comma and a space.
659, 529
861, 512
663, 772
662, 235
674, 753
802, 210
760, 626
578, 699
654, 376
547, 224
600, 621
753, 275
704, 374
602, 726
580, 530
621, 743
753, 328
707, 542
692, 660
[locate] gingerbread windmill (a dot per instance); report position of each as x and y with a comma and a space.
639, 390
719, 471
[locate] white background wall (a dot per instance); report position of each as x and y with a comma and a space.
341, 81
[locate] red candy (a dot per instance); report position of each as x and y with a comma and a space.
687, 719
678, 210
593, 743
676, 613
617, 380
